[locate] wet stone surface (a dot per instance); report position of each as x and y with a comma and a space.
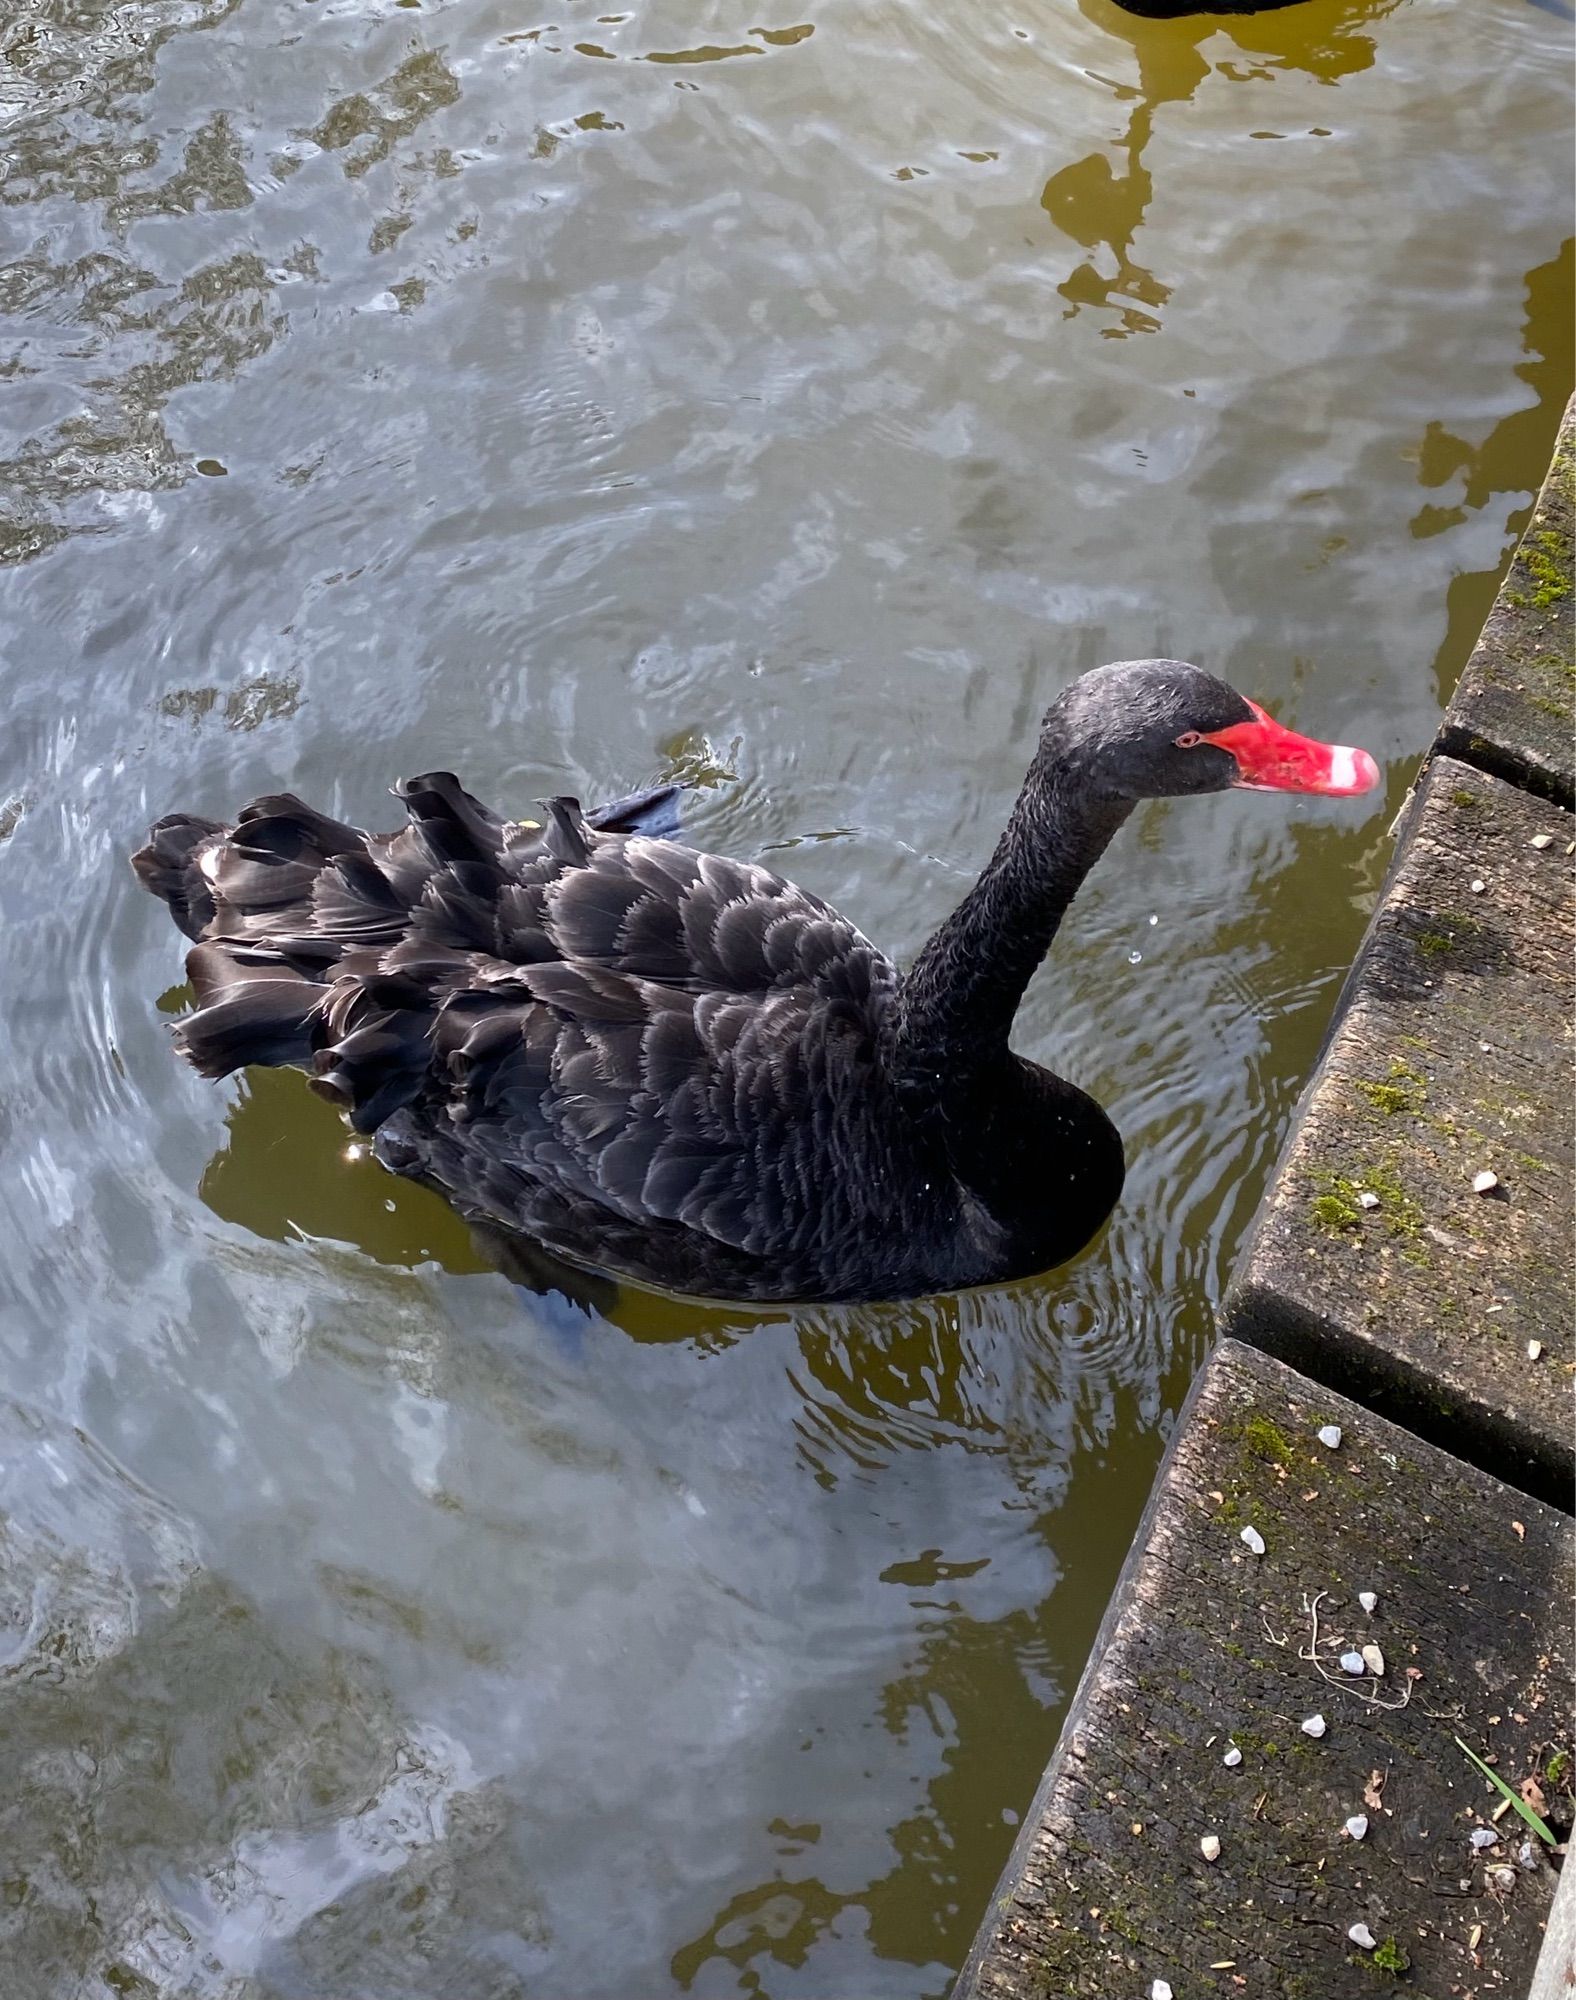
1513, 712
1108, 1889
1414, 1245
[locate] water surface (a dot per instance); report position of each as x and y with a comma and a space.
794, 401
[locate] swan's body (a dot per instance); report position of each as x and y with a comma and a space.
670, 1065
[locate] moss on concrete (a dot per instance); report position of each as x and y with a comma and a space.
1403, 1090
1337, 1204
1546, 557
1267, 1440
1332, 1211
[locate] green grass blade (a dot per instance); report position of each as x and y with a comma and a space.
1515, 1798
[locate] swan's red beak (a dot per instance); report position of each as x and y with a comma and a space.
1273, 759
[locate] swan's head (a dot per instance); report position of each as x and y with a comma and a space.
1154, 729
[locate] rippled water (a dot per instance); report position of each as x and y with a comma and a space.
795, 402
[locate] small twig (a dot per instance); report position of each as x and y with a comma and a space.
1310, 1653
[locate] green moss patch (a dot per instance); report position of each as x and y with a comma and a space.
1267, 1441
1403, 1090
1334, 1212
1337, 1207
1546, 557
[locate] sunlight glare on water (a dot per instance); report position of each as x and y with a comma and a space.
793, 402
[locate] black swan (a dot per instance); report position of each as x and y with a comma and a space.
682, 1069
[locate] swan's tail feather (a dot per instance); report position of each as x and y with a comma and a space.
295, 915
319, 945
250, 1009
375, 1044
654, 814
168, 867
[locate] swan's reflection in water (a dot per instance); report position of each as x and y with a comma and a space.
1101, 201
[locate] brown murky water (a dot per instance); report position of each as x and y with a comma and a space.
792, 400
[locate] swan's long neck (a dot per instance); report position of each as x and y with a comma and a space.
964, 990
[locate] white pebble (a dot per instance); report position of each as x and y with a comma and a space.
1209, 1847
1373, 1660
1485, 1182
1369, 1600
1483, 1836
1543, 840
1352, 1663
1254, 1540
1330, 1436
1232, 1758
1478, 885
1160, 1990
1534, 1349
1357, 1826
1314, 1726
1360, 1934
1503, 1879
1367, 1199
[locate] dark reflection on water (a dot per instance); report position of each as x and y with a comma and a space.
1101, 206
290, 1169
572, 401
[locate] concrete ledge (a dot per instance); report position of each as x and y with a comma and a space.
1513, 712
1372, 1262
1555, 1978
1208, 1646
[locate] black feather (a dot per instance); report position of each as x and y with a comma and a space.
654, 813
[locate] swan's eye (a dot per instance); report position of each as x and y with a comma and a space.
1188, 738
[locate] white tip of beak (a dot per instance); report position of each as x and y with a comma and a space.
1351, 771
